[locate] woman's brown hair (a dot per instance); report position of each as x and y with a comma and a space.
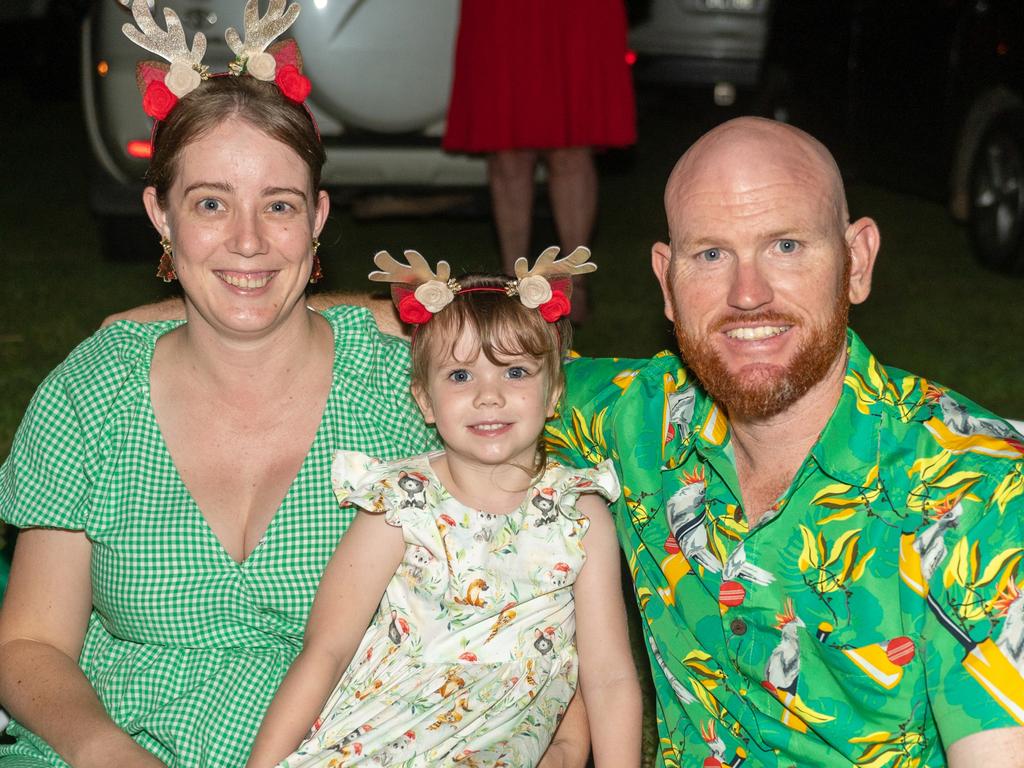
261, 104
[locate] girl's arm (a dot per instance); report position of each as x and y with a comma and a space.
350, 591
42, 628
608, 676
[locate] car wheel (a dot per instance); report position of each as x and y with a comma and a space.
996, 188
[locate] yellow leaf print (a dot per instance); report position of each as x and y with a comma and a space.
840, 566
944, 492
695, 662
1000, 565
929, 466
809, 556
847, 497
887, 749
587, 437
958, 569
643, 597
865, 396
637, 511
1008, 489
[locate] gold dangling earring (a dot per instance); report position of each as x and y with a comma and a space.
317, 274
165, 270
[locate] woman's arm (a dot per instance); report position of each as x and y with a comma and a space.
349, 593
608, 676
42, 627
570, 746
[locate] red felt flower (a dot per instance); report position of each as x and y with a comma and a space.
411, 311
556, 307
158, 101
293, 84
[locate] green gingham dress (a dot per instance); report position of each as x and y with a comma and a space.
185, 647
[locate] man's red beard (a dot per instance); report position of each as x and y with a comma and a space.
768, 390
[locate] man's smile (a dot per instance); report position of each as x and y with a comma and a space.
756, 333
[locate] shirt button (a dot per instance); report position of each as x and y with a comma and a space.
738, 626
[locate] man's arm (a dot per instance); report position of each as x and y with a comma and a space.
174, 309
998, 748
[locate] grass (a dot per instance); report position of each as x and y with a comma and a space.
932, 311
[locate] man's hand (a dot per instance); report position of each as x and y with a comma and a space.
168, 309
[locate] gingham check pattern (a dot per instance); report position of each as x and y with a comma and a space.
185, 646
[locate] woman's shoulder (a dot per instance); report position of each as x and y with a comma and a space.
101, 363
362, 350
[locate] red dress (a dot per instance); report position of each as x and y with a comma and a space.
540, 74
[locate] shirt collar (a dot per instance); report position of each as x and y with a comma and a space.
847, 448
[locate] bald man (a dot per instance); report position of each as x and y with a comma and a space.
827, 553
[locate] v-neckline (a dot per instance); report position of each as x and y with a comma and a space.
284, 505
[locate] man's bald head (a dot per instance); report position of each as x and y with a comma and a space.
763, 265
736, 155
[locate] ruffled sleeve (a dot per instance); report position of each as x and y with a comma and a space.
356, 479
405, 492
71, 427
600, 479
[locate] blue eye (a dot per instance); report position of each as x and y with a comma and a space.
209, 204
711, 254
517, 372
280, 207
788, 246
460, 376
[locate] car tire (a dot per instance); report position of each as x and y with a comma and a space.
995, 180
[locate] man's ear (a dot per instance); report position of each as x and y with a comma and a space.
422, 399
156, 214
661, 263
862, 242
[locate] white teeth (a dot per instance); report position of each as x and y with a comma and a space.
245, 281
760, 332
488, 427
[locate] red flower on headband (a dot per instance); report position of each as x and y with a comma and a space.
293, 84
158, 100
411, 311
556, 307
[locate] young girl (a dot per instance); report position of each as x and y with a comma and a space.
485, 568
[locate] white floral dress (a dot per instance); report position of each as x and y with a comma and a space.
471, 658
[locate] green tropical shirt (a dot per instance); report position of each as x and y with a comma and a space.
874, 614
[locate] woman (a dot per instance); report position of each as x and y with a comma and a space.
172, 480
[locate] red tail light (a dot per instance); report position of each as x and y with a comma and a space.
142, 149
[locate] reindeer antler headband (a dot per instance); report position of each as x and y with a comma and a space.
420, 293
162, 85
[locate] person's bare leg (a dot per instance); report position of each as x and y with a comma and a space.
510, 174
572, 187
